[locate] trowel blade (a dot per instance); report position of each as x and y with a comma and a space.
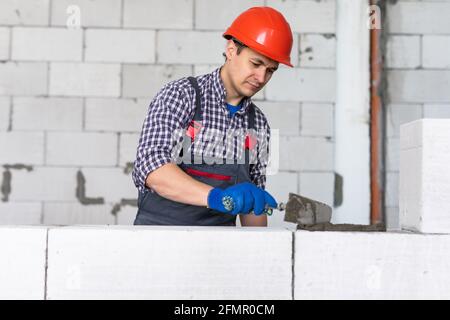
302, 210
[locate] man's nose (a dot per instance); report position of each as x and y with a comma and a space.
260, 75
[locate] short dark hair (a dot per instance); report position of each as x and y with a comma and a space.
240, 46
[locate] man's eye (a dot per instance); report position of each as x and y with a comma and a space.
255, 64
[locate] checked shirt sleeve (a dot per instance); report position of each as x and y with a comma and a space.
167, 115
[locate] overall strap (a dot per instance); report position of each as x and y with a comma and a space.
198, 116
251, 128
193, 123
251, 116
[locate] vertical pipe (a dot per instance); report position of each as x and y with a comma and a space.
376, 197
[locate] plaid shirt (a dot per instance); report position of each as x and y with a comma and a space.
172, 110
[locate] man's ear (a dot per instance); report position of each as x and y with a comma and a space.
230, 49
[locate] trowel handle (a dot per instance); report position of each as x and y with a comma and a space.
229, 204
269, 210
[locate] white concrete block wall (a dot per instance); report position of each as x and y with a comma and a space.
84, 79
224, 12
133, 46
5, 108
4, 43
436, 51
318, 185
312, 85
182, 47
378, 265
302, 153
424, 176
128, 144
23, 276
98, 13
24, 12
419, 85
79, 75
280, 185
283, 116
317, 50
403, 52
20, 213
209, 270
44, 184
317, 119
428, 17
47, 114
23, 78
68, 213
122, 262
111, 184
158, 14
78, 149
124, 115
436, 111
47, 44
15, 145
140, 80
308, 15
417, 66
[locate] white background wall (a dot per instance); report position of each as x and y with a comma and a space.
72, 101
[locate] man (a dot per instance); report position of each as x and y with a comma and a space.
198, 191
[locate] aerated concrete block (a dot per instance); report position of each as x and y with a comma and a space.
377, 265
425, 176
23, 259
169, 263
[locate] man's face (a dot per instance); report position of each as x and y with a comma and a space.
249, 70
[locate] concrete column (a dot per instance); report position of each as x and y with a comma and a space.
352, 112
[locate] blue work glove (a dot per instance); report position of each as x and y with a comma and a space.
244, 197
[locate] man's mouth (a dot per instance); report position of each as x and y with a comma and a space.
254, 85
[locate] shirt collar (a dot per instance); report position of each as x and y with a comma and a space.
221, 93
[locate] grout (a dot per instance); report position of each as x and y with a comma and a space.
48, 78
10, 44
46, 265
83, 49
10, 120
41, 219
83, 115
121, 82
293, 266
193, 14
50, 13
118, 150
45, 147
122, 13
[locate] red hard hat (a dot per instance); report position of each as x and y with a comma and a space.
265, 30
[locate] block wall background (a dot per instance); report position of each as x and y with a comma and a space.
418, 77
72, 100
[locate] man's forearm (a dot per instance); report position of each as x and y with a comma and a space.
170, 182
251, 220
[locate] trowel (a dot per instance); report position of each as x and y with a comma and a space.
303, 210
300, 210
314, 215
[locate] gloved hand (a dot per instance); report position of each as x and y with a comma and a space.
245, 197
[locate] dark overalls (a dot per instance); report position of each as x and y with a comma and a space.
156, 210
